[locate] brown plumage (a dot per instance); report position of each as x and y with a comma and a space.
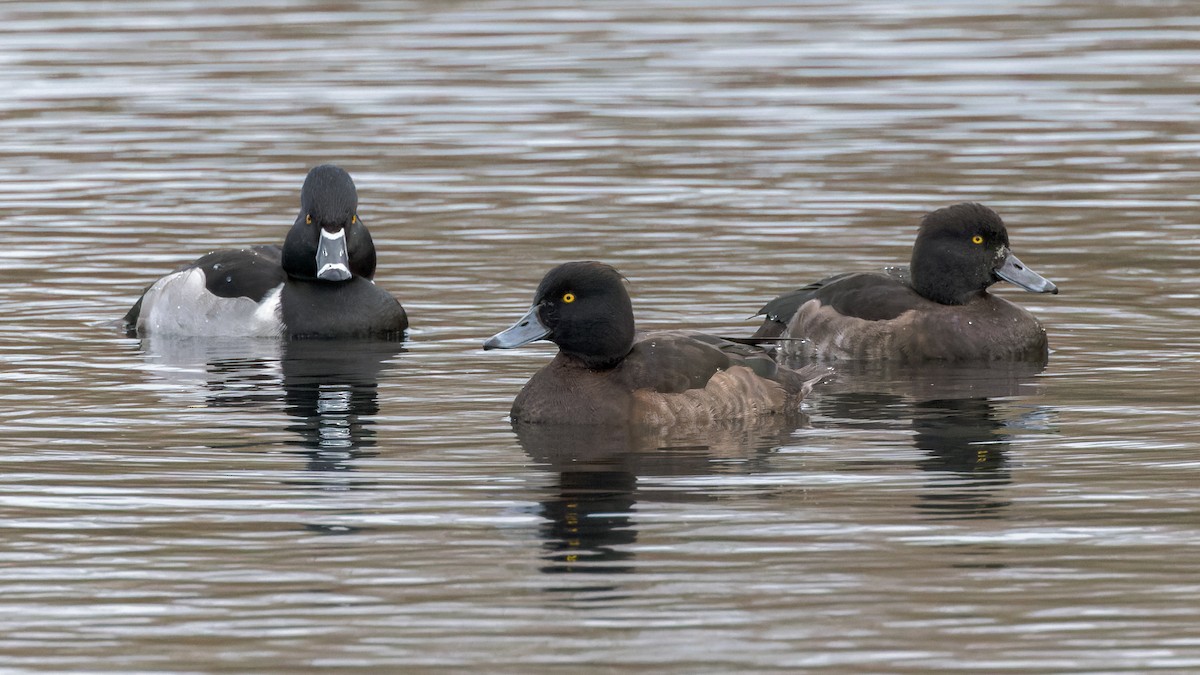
606, 373
937, 309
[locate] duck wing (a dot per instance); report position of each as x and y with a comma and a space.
676, 361
243, 273
870, 296
779, 312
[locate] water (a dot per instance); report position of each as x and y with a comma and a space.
238, 506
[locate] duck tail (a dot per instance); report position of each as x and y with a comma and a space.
812, 375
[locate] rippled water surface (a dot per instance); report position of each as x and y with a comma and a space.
246, 505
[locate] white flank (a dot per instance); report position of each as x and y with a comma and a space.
180, 304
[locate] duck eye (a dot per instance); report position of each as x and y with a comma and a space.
308, 219
568, 297
977, 239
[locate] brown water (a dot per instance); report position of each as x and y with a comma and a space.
229, 506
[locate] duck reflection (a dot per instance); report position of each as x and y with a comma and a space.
588, 520
327, 387
966, 446
331, 391
957, 423
226, 372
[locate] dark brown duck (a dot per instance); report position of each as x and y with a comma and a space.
937, 309
606, 372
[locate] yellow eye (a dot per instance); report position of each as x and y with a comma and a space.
308, 219
977, 239
568, 298
354, 219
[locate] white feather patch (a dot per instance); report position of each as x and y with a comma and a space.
179, 304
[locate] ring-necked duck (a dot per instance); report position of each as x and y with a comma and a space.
606, 373
317, 285
936, 309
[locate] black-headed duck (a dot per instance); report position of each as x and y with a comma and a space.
317, 285
605, 372
936, 309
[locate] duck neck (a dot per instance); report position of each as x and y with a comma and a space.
941, 278
598, 345
605, 349
942, 291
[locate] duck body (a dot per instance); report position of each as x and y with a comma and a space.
937, 309
606, 373
873, 316
318, 284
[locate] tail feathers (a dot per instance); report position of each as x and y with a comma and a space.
812, 375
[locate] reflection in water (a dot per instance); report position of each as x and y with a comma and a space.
331, 390
329, 387
588, 521
230, 373
955, 423
963, 441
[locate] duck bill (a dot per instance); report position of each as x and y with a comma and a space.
333, 260
1015, 272
524, 331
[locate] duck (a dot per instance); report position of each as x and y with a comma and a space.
318, 284
936, 309
608, 373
